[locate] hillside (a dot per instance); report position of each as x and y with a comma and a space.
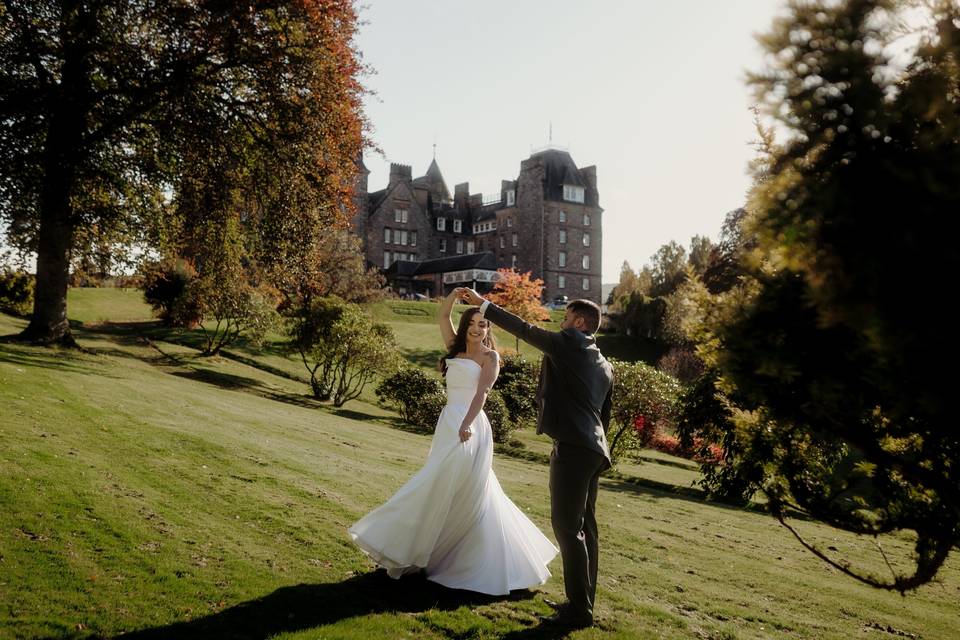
151, 492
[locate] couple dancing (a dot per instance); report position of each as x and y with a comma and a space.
452, 520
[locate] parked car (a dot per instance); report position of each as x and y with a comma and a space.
558, 303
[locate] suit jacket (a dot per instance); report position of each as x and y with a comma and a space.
576, 382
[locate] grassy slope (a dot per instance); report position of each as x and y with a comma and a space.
147, 490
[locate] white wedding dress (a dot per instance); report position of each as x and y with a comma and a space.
452, 519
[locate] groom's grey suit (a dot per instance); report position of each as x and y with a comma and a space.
573, 401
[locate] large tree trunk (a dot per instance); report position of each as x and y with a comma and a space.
62, 159
49, 323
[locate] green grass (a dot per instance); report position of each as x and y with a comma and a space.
147, 491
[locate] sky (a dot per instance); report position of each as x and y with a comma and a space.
651, 92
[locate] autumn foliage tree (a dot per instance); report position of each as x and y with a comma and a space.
519, 294
126, 115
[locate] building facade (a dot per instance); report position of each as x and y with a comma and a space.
546, 221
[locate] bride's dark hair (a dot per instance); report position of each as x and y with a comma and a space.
460, 340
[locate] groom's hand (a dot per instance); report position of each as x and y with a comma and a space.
471, 297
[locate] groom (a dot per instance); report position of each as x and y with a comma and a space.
573, 401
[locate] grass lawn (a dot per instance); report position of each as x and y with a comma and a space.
149, 493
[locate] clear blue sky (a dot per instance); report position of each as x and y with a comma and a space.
652, 92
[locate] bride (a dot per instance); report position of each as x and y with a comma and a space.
451, 519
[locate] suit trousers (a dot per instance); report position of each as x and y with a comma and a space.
574, 477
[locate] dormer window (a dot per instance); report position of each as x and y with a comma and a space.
572, 193
511, 197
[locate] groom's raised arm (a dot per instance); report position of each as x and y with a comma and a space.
546, 341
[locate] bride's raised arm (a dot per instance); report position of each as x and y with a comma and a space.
447, 331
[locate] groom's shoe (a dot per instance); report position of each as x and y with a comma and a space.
564, 617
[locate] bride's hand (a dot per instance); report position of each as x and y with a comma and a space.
465, 434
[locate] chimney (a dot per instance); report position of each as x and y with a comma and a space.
400, 173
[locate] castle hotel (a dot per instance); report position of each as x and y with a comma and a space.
547, 221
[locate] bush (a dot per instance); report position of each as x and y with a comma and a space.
342, 348
407, 391
517, 385
165, 286
640, 393
727, 470
500, 423
16, 292
681, 363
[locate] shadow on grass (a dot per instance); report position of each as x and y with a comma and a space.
218, 378
48, 358
306, 606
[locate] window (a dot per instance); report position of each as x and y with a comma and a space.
586, 239
511, 197
399, 215
572, 193
386, 259
403, 237
503, 242
459, 246
562, 259
441, 224
457, 226
386, 236
509, 222
403, 215
586, 262
586, 219
513, 239
470, 246
513, 261
443, 245
563, 215
413, 238
563, 236
561, 282
586, 284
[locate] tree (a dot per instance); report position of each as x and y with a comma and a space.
700, 249
520, 295
111, 107
669, 267
831, 378
629, 282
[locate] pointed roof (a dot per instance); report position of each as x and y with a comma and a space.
434, 181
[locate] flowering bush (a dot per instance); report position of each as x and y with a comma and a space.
640, 391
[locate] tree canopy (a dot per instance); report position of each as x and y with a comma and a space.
133, 120
830, 351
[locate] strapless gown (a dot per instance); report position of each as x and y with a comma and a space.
452, 519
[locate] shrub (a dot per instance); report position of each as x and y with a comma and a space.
341, 347
228, 308
681, 363
727, 470
500, 423
164, 288
407, 391
517, 385
640, 391
16, 292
